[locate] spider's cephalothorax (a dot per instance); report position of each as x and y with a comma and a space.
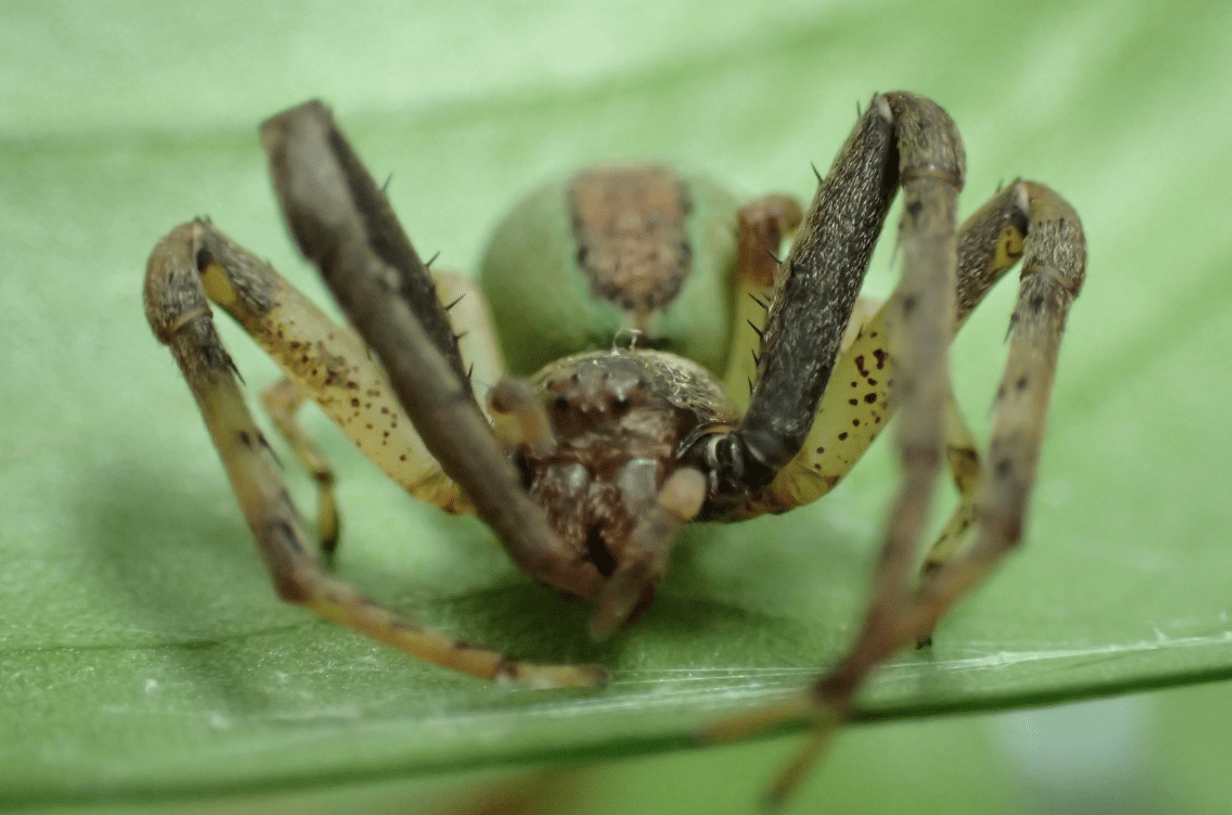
617, 421
770, 379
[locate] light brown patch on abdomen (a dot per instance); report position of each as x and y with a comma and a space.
629, 224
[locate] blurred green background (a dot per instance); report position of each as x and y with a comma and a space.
145, 661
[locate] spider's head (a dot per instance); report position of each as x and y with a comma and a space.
617, 419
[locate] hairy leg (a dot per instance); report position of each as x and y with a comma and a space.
414, 468
180, 316
1054, 265
856, 405
343, 223
328, 363
761, 226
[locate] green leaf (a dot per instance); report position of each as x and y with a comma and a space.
144, 652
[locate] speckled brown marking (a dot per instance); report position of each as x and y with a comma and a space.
629, 225
993, 500
175, 300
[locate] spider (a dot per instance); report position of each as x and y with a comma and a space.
655, 408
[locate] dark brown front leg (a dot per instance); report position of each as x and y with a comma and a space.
343, 223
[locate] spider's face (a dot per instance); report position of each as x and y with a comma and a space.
618, 418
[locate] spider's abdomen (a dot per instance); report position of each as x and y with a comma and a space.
610, 249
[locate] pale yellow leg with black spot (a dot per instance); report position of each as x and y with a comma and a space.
1028, 220
194, 258
1053, 272
327, 362
469, 316
856, 405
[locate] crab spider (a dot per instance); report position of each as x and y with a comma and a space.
589, 454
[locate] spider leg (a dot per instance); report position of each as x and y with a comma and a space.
931, 168
990, 242
922, 309
291, 323
856, 405
963, 456
855, 409
327, 362
519, 417
1053, 272
282, 401
908, 141
180, 316
899, 138
761, 226
1048, 234
343, 223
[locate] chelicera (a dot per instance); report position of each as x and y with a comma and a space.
655, 364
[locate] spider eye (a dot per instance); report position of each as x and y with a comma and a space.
620, 403
561, 403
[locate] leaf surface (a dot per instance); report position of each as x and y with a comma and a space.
143, 649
